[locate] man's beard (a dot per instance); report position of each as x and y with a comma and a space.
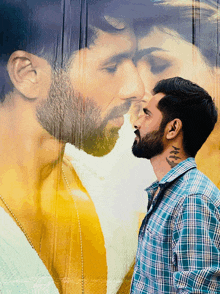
74, 119
150, 145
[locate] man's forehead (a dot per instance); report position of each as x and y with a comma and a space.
124, 40
108, 48
117, 58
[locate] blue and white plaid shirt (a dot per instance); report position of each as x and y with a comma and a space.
179, 239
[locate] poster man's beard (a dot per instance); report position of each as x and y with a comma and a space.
150, 145
74, 119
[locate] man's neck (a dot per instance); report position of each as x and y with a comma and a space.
28, 154
165, 161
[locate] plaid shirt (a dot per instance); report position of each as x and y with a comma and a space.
179, 239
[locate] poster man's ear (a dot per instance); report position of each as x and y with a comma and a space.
27, 73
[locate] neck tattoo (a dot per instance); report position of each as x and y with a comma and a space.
173, 156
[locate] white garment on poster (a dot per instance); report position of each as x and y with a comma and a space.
116, 184
21, 269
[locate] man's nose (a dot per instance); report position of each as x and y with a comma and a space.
137, 123
133, 86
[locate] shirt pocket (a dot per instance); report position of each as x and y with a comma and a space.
152, 257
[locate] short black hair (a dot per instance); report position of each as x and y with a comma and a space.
192, 105
52, 29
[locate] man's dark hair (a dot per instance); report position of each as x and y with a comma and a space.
192, 105
52, 29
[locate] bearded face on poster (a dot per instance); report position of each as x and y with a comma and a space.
67, 75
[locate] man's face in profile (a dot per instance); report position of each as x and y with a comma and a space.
149, 129
94, 93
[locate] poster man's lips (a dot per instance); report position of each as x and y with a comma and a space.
116, 115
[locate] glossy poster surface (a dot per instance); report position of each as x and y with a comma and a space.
72, 77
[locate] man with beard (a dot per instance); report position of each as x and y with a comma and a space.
65, 77
179, 239
180, 38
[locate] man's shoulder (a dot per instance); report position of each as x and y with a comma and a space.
199, 181
195, 196
196, 184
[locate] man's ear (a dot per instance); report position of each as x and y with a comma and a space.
173, 128
28, 73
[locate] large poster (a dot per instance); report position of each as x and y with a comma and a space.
73, 74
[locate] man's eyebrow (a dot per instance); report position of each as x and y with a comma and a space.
118, 58
147, 51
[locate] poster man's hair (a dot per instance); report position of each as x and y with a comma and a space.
52, 29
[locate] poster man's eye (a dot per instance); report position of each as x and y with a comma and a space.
111, 68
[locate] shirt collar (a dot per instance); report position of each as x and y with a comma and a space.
173, 174
178, 170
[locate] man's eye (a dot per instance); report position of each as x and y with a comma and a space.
146, 111
158, 65
111, 68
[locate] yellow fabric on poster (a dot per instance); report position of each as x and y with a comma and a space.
61, 249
